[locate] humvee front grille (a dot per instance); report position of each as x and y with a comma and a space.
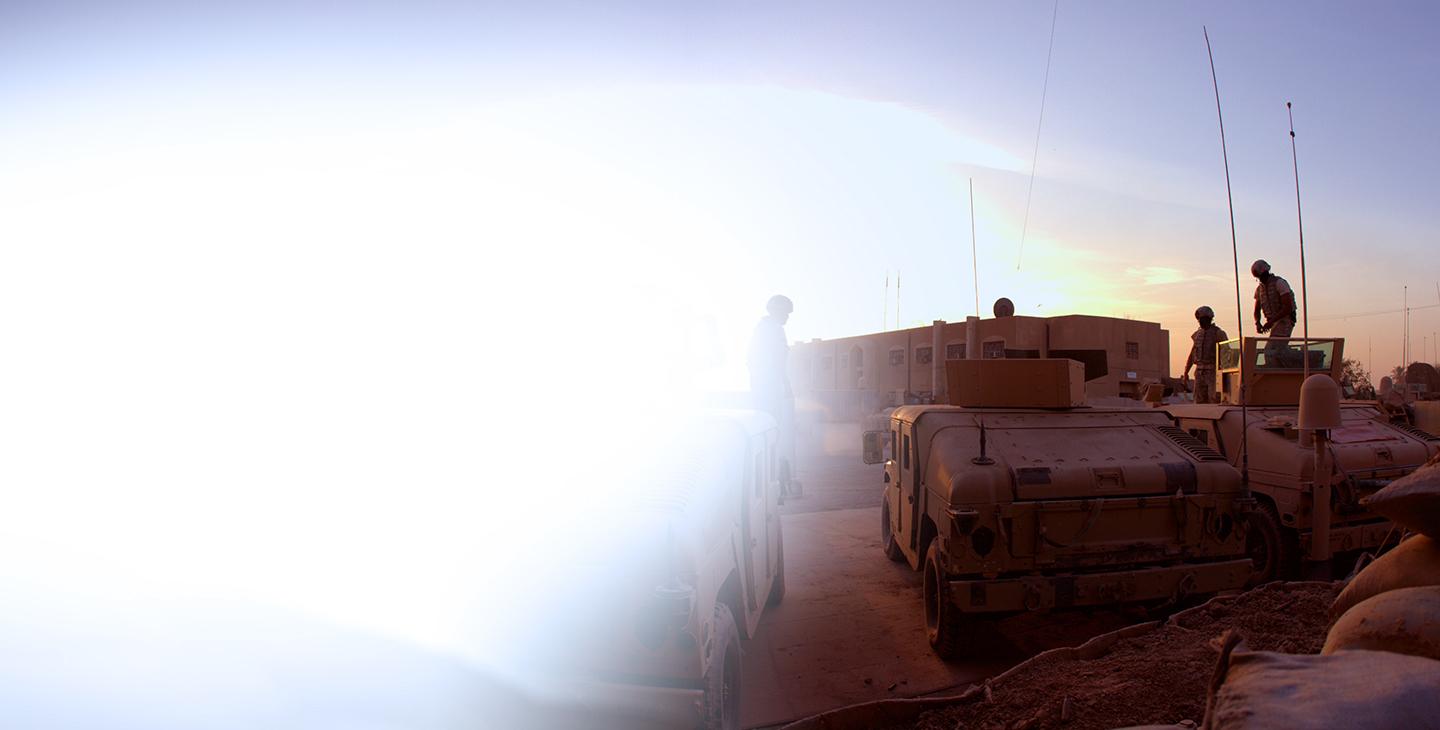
1194, 446
1418, 433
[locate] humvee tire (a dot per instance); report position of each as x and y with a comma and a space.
946, 627
722, 673
1272, 549
887, 536
777, 587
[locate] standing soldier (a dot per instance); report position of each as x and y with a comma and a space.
770, 379
1275, 299
1202, 354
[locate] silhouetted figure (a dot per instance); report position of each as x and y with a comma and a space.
1276, 300
769, 376
1202, 354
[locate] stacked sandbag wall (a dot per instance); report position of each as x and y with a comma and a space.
1380, 666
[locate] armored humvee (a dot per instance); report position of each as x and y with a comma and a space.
1367, 451
1018, 497
682, 573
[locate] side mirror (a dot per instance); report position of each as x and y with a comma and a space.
875, 446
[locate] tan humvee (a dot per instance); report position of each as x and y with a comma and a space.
703, 555
1368, 451
1050, 505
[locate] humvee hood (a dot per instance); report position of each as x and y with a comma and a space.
1040, 456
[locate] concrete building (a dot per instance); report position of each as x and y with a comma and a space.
851, 376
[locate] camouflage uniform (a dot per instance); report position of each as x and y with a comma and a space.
1205, 339
1269, 294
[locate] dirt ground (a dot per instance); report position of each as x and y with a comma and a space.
1158, 677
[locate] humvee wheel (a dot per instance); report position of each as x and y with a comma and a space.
777, 588
1272, 549
887, 536
945, 625
722, 673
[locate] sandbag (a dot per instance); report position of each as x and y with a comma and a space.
1359, 690
1412, 501
1406, 621
1413, 563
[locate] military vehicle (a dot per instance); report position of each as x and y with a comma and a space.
682, 573
1367, 451
1018, 497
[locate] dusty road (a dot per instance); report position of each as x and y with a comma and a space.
850, 629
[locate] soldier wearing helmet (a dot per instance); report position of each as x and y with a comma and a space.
1202, 354
1275, 299
770, 380
769, 353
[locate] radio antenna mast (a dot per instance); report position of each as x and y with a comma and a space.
885, 318
1039, 124
974, 257
1300, 221
1235, 255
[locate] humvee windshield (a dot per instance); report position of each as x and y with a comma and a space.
1279, 354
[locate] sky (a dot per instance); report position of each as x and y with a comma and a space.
282, 283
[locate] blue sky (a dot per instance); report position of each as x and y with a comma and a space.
327, 236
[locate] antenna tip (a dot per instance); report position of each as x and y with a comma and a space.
1287, 105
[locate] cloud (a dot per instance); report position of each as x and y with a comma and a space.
1156, 275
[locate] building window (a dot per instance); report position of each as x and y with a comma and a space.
924, 355
844, 362
955, 351
1132, 350
827, 362
897, 357
994, 350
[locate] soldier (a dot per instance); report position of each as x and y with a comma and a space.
1275, 299
1202, 354
770, 380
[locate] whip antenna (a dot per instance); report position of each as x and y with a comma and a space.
1300, 221
1035, 155
1235, 255
975, 258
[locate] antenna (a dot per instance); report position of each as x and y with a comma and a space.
1235, 255
982, 459
897, 299
885, 319
1300, 221
1039, 124
975, 258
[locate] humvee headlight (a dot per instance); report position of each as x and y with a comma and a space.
964, 519
983, 541
669, 608
1222, 525
677, 602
